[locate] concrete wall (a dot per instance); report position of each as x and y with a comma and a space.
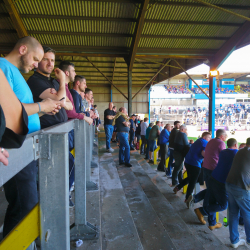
102, 96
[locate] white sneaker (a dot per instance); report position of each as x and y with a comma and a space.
240, 243
111, 150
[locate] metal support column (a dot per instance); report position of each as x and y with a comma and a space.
82, 229
149, 106
54, 191
89, 141
212, 87
129, 92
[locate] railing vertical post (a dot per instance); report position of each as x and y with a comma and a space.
82, 229
89, 141
80, 172
54, 191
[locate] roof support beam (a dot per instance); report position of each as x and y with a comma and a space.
114, 19
79, 33
185, 37
106, 78
137, 34
113, 71
191, 22
221, 8
190, 4
16, 19
152, 79
192, 79
230, 45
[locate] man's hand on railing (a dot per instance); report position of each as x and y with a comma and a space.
50, 106
3, 156
88, 120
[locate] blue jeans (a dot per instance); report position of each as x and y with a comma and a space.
109, 132
147, 149
131, 138
152, 145
21, 194
238, 201
124, 150
216, 200
170, 163
201, 195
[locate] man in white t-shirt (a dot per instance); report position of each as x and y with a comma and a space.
144, 126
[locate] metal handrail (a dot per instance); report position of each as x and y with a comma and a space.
50, 146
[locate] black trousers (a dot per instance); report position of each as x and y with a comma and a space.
21, 194
193, 175
164, 155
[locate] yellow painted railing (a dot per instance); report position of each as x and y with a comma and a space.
24, 233
155, 155
185, 187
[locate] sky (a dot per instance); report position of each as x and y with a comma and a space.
238, 61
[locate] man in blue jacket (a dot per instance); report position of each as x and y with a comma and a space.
164, 142
193, 161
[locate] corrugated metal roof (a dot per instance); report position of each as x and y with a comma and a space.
86, 35
78, 8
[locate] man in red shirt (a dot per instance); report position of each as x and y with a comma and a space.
69, 69
211, 158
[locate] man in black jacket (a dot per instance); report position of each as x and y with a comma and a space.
171, 148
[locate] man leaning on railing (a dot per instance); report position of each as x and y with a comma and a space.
21, 190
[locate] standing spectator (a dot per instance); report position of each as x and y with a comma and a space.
122, 124
216, 198
173, 133
147, 140
164, 142
180, 147
238, 186
115, 129
79, 86
153, 135
193, 161
144, 126
44, 86
21, 190
132, 132
213, 149
109, 115
161, 126
138, 131
98, 121
69, 69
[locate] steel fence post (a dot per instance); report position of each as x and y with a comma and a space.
89, 142
82, 229
54, 191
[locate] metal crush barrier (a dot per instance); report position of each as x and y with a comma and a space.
50, 219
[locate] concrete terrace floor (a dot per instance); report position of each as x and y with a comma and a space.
135, 208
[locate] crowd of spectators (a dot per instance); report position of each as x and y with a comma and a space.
245, 88
198, 91
41, 102
225, 91
171, 89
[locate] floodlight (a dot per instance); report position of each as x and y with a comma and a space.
214, 73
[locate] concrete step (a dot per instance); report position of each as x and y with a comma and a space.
118, 230
176, 228
152, 233
201, 232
